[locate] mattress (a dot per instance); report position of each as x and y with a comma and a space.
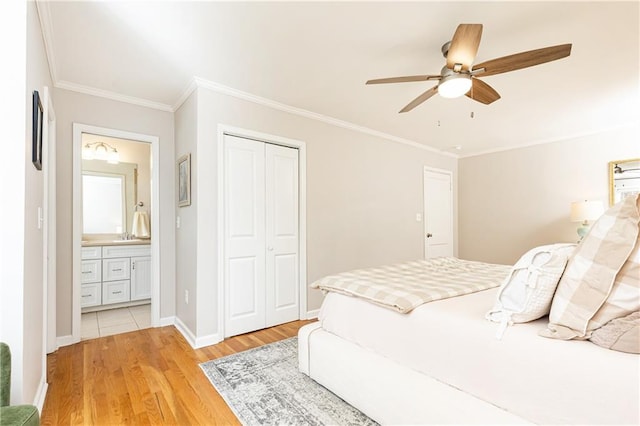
545, 381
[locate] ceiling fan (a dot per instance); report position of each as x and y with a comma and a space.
460, 76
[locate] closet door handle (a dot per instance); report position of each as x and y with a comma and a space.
270, 248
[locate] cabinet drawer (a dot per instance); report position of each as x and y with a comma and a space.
126, 251
91, 252
91, 271
91, 295
115, 291
116, 269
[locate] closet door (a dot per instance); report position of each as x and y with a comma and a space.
282, 257
244, 223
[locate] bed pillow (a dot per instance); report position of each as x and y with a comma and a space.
526, 293
602, 278
620, 334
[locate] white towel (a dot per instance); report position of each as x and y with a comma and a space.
140, 226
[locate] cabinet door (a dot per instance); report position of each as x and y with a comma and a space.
115, 291
116, 269
91, 271
141, 277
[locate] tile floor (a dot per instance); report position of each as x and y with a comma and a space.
115, 321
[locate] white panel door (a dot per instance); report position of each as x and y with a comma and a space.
282, 273
438, 214
244, 228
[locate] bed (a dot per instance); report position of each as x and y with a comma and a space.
441, 363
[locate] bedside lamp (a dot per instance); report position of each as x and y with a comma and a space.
584, 211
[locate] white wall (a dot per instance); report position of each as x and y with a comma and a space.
186, 235
86, 109
515, 200
363, 193
21, 274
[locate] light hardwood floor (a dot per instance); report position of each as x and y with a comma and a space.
150, 376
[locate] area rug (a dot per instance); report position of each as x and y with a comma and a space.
264, 387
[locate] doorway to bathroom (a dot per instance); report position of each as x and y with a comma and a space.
115, 232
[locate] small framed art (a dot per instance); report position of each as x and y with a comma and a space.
184, 180
36, 143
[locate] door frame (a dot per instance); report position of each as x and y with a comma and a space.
78, 130
424, 212
223, 130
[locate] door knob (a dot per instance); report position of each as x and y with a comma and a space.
270, 248
429, 235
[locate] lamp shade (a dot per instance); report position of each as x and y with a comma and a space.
586, 210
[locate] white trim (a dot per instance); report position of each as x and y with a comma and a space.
61, 84
196, 342
551, 140
78, 130
46, 25
312, 314
166, 321
65, 341
224, 129
41, 392
219, 88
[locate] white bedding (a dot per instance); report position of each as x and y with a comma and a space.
542, 380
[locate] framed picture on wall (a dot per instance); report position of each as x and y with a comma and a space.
184, 180
36, 143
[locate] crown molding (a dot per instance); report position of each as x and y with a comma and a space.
112, 95
46, 26
219, 88
627, 125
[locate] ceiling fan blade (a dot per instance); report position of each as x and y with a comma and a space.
482, 92
464, 46
420, 99
522, 60
405, 79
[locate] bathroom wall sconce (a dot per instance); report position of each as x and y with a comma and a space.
100, 151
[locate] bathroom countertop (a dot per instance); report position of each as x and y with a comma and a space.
93, 243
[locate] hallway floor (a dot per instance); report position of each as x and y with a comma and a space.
115, 321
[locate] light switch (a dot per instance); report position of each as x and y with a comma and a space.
418, 217
178, 222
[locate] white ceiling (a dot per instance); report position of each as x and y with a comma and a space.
316, 56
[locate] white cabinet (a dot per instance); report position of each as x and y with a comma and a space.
115, 274
116, 269
140, 277
91, 277
115, 291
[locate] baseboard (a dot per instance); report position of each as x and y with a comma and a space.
312, 314
41, 393
167, 321
65, 341
196, 342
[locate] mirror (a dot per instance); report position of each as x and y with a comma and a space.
624, 179
109, 193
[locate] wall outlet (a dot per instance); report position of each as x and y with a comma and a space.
186, 297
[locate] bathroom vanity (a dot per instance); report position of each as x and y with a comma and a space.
115, 274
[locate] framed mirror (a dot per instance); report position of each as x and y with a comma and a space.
624, 179
109, 194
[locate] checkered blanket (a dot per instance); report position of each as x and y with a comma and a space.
402, 287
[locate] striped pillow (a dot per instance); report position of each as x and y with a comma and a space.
602, 278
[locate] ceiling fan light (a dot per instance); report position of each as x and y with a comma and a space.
454, 86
